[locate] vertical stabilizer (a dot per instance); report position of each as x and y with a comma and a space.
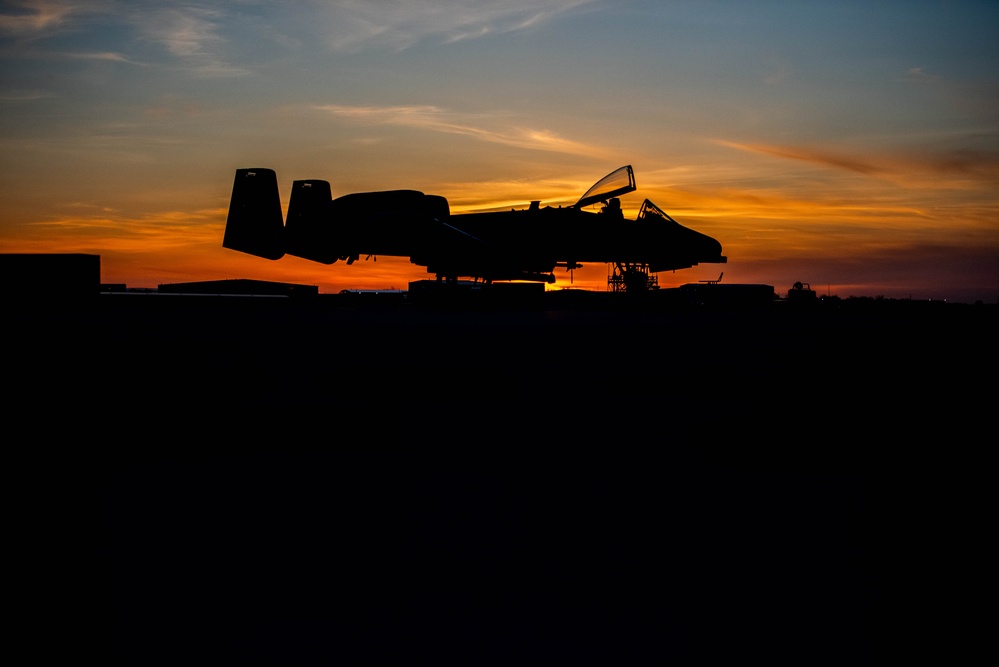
310, 230
255, 223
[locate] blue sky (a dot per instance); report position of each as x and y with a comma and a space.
852, 145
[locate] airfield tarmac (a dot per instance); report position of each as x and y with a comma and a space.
256, 478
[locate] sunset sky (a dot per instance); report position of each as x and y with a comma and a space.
850, 145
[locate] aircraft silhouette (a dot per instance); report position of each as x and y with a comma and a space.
526, 244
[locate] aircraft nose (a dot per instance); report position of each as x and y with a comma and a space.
706, 248
712, 248
682, 247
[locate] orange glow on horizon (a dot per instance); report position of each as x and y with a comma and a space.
765, 234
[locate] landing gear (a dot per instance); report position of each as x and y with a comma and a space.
632, 277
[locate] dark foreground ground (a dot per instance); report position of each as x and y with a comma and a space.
224, 480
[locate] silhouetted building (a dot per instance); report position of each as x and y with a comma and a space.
474, 294
240, 286
49, 275
737, 295
801, 293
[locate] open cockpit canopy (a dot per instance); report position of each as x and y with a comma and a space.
618, 182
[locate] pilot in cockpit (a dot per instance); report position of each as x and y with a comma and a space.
613, 208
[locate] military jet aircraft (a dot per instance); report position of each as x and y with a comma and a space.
526, 244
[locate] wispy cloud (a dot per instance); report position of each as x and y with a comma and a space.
435, 119
919, 75
186, 32
107, 228
29, 17
191, 35
944, 169
103, 55
198, 35
399, 24
815, 156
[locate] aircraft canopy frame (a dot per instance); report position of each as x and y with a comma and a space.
619, 182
